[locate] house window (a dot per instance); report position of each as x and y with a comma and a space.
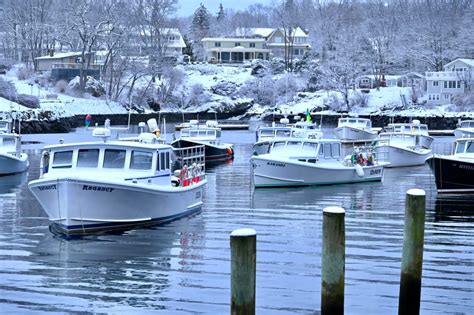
429, 97
237, 44
437, 97
278, 39
445, 84
459, 84
217, 44
446, 97
435, 83
252, 45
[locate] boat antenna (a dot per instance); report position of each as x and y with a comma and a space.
129, 116
164, 127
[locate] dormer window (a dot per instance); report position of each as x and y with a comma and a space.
237, 44
217, 44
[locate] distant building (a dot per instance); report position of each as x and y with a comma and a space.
256, 43
67, 65
457, 77
169, 40
371, 81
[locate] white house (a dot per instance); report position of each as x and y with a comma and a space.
457, 77
370, 81
256, 43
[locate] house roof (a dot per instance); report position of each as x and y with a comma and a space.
253, 31
469, 62
59, 56
232, 39
386, 76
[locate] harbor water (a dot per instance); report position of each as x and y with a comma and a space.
183, 267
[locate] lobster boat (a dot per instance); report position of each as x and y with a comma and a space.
93, 187
12, 159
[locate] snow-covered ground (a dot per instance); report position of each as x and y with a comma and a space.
383, 101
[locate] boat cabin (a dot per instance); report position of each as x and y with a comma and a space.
399, 139
119, 160
360, 123
415, 128
464, 146
273, 132
4, 126
10, 143
308, 150
466, 124
202, 133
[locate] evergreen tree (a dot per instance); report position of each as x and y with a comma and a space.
221, 13
200, 28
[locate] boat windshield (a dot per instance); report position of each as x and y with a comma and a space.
470, 147
7, 141
283, 133
460, 147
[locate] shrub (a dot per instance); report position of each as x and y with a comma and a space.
7, 90
359, 99
61, 86
23, 73
29, 101
277, 65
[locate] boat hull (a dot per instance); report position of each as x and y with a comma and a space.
79, 206
221, 152
10, 164
350, 133
400, 157
452, 175
269, 172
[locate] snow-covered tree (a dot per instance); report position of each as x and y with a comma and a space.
200, 28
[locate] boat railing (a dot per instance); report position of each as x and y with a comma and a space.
191, 164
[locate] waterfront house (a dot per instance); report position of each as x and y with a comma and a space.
457, 77
370, 81
256, 43
412, 79
67, 65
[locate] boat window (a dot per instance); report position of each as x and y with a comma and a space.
283, 133
321, 150
7, 141
168, 160
162, 161
62, 159
309, 147
302, 160
312, 160
470, 147
88, 158
336, 150
141, 160
327, 150
114, 158
266, 133
293, 144
279, 144
352, 121
471, 124
184, 134
218, 133
460, 147
193, 134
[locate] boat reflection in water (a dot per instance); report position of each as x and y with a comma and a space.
117, 273
454, 208
9, 182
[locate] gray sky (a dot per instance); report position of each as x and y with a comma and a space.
187, 7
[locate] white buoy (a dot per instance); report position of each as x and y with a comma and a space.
359, 170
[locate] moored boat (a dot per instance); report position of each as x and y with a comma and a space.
455, 173
401, 149
354, 128
465, 129
412, 128
93, 187
12, 159
209, 137
305, 162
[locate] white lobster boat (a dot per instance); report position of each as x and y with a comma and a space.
400, 149
305, 162
12, 160
354, 128
413, 128
465, 129
101, 186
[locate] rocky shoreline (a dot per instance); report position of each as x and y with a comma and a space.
64, 125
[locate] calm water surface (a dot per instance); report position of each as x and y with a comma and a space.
183, 267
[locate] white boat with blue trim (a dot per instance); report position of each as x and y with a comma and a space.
401, 149
12, 159
354, 128
93, 187
465, 129
305, 162
412, 128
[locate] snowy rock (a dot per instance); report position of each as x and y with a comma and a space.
225, 88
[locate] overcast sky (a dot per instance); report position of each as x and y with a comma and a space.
187, 7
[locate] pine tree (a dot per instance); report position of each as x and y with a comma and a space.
221, 13
200, 28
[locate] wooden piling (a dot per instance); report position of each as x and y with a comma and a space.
412, 258
333, 261
243, 247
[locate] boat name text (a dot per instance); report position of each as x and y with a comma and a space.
97, 188
276, 164
466, 167
376, 171
48, 187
